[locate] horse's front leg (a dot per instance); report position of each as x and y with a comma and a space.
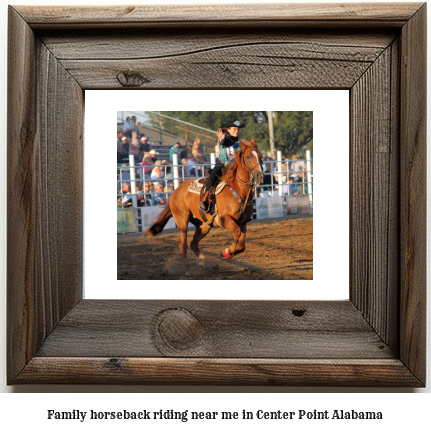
241, 244
229, 223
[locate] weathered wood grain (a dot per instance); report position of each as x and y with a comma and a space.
160, 44
22, 199
204, 72
233, 329
413, 194
45, 108
376, 338
134, 371
301, 15
374, 195
259, 59
59, 184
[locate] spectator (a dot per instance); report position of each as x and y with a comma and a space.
119, 204
301, 187
145, 147
168, 172
267, 178
126, 143
192, 165
121, 148
134, 124
148, 191
169, 187
123, 177
158, 172
196, 145
144, 196
174, 150
126, 198
295, 167
197, 150
292, 186
159, 197
186, 169
138, 191
183, 154
149, 161
135, 148
153, 155
127, 126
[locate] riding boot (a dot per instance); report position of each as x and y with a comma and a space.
211, 181
205, 204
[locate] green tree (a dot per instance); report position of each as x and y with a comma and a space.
293, 130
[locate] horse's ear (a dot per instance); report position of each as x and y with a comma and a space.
253, 142
245, 144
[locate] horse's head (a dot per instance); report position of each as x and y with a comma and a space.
252, 159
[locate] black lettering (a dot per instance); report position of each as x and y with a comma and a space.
229, 415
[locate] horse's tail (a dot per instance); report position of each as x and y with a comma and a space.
160, 222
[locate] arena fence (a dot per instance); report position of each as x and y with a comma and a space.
287, 189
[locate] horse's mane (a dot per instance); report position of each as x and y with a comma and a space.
230, 175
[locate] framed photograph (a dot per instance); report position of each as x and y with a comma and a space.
289, 257
376, 337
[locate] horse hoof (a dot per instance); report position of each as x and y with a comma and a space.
202, 263
226, 254
188, 274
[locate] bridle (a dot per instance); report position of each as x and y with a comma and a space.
250, 185
250, 172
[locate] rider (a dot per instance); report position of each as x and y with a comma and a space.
229, 145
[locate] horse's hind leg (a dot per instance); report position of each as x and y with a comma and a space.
201, 232
183, 250
182, 217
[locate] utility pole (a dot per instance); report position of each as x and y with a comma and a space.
271, 132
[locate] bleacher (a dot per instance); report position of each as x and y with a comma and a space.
162, 146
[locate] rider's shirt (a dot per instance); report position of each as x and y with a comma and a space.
227, 154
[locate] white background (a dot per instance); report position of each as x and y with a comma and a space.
403, 410
331, 194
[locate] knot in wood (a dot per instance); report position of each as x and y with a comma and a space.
298, 312
115, 363
178, 329
131, 79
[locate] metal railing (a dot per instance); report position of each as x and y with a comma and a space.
282, 178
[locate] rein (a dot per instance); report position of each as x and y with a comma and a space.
250, 183
250, 172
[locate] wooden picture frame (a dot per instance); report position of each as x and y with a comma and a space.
376, 338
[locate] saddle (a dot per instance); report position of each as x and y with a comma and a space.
198, 187
210, 199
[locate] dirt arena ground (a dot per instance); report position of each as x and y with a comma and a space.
277, 249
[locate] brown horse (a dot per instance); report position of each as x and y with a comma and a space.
244, 172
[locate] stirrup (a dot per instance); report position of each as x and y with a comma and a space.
204, 206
